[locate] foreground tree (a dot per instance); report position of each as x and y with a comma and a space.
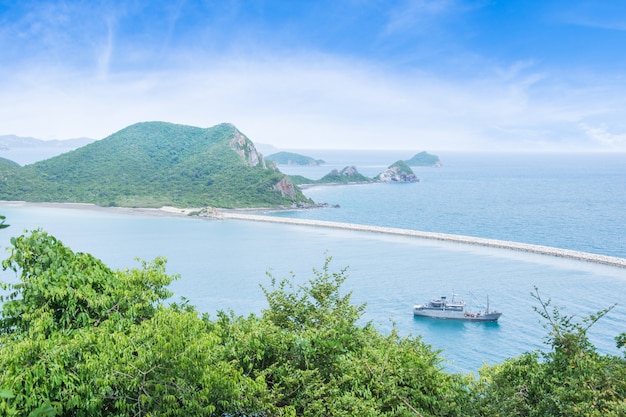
572, 379
79, 339
318, 361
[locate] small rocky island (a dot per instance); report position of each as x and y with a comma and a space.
397, 172
347, 175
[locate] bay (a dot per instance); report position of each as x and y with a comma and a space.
222, 263
570, 201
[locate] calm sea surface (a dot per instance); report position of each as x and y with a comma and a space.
570, 201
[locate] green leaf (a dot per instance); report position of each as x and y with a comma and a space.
44, 410
6, 393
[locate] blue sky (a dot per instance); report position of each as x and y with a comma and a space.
527, 75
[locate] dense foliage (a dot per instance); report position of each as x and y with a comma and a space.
423, 159
86, 340
152, 164
291, 158
79, 339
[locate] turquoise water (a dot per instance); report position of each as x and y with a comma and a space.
223, 263
570, 201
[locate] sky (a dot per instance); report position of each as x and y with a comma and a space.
483, 75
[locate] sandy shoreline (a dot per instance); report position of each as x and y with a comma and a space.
242, 215
161, 212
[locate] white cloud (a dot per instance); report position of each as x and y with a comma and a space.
604, 137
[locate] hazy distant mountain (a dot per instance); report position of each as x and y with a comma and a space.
154, 164
8, 142
26, 150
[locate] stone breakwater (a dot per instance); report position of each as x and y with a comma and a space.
493, 243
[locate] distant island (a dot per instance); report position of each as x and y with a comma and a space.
290, 158
348, 175
396, 172
424, 159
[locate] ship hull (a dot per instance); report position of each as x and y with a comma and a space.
455, 315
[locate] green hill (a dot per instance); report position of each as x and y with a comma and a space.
290, 158
424, 159
153, 164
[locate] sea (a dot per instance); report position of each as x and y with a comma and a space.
566, 200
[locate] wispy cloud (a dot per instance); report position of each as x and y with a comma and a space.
603, 136
417, 15
606, 15
314, 101
106, 49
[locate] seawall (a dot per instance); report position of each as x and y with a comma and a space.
494, 243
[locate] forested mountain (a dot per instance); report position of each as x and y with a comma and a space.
153, 164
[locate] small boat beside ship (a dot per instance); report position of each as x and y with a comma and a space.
442, 308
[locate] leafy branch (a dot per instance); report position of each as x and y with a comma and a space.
565, 332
